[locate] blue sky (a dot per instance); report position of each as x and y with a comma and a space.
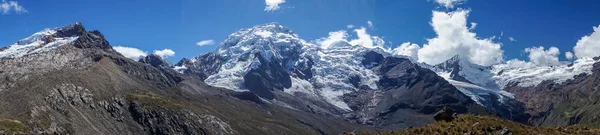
180, 24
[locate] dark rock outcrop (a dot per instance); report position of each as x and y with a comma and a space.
268, 77
154, 60
158, 62
202, 66
372, 59
87, 39
446, 114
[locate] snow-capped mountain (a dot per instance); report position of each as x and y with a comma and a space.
504, 87
476, 80
39, 42
363, 84
472, 79
297, 66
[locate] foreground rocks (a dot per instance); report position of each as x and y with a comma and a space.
446, 114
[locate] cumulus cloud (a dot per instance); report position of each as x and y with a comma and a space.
334, 36
164, 53
273, 5
512, 39
349, 26
473, 25
454, 37
206, 42
589, 45
516, 63
366, 40
370, 24
569, 55
363, 39
407, 49
450, 3
11, 6
130, 52
541, 57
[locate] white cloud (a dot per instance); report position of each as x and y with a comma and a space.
512, 39
206, 42
349, 26
407, 49
588, 46
454, 37
130, 52
541, 57
366, 40
370, 24
164, 53
334, 36
11, 6
450, 3
569, 55
473, 25
273, 5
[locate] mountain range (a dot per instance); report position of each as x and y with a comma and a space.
268, 80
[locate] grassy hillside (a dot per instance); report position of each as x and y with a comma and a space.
469, 124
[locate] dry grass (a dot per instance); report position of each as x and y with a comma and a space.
477, 125
12, 126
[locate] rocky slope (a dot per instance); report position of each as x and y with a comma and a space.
82, 86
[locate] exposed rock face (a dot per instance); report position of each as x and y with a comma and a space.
164, 121
158, 62
63, 96
267, 78
202, 66
446, 114
154, 60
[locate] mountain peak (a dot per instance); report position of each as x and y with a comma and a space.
70, 30
264, 38
51, 38
154, 60
273, 27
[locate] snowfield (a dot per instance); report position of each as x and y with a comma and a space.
34, 44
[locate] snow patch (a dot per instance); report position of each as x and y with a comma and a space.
34, 44
264, 34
